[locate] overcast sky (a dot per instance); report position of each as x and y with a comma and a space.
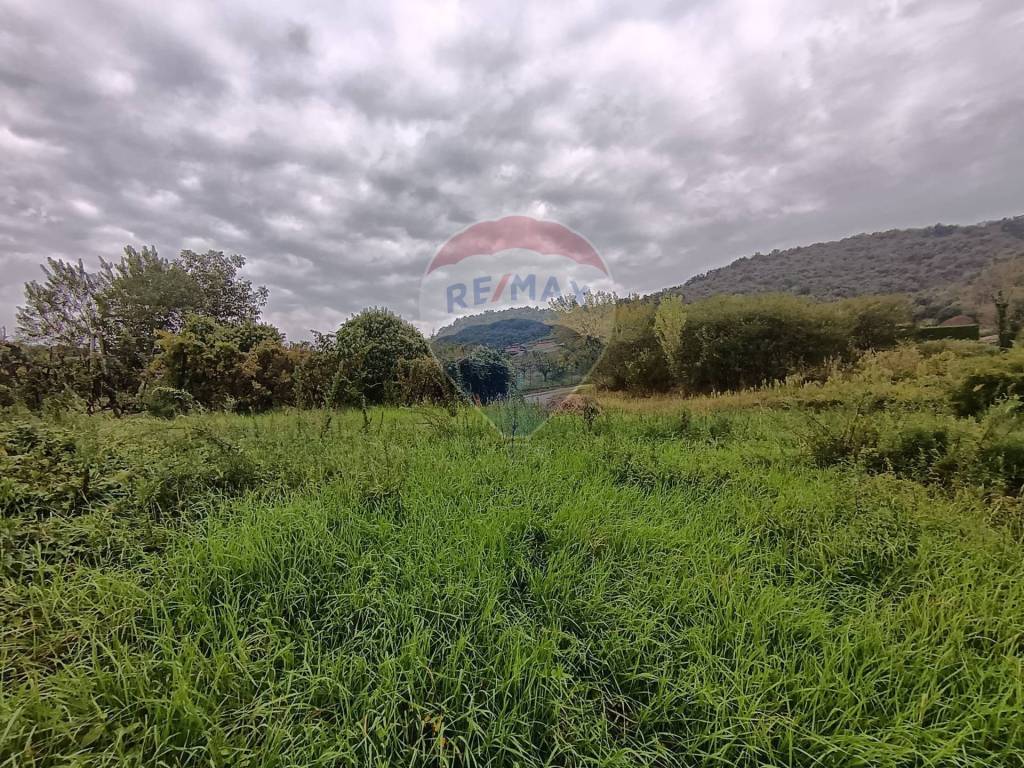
337, 145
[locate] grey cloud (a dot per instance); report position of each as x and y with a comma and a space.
337, 148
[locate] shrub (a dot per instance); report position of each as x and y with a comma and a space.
484, 374
633, 358
988, 383
42, 473
423, 381
1003, 457
911, 450
370, 352
168, 402
734, 342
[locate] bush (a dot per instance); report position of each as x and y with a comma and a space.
735, 342
371, 350
423, 381
988, 383
484, 375
1003, 457
168, 402
913, 450
43, 474
633, 359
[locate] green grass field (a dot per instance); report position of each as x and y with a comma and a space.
415, 589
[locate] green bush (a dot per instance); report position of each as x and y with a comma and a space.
42, 472
168, 402
913, 450
633, 358
1003, 458
988, 383
370, 352
734, 342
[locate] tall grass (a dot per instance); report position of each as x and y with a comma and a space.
650, 589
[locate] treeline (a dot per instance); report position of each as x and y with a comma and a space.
171, 335
729, 342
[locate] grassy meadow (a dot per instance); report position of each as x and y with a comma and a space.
666, 583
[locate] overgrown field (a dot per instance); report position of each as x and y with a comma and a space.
719, 586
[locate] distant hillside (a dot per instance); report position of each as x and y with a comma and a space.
896, 261
493, 316
499, 334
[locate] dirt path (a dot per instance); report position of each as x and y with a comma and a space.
549, 397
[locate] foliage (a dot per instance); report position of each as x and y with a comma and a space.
499, 334
732, 342
484, 375
989, 382
633, 358
874, 322
663, 588
371, 351
105, 324
669, 324
168, 402
244, 367
593, 318
917, 261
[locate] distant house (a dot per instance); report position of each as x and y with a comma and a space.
958, 327
958, 321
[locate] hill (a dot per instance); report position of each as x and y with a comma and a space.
493, 316
929, 259
499, 334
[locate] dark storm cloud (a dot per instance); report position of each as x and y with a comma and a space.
338, 147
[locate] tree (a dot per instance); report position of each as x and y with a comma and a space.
997, 296
593, 318
219, 291
484, 374
669, 322
548, 364
371, 352
246, 367
104, 325
633, 359
63, 313
62, 310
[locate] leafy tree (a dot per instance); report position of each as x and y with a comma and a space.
63, 309
315, 371
669, 322
633, 358
104, 325
371, 352
484, 374
997, 296
593, 318
219, 291
63, 313
245, 367
548, 364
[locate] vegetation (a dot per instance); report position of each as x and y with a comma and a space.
938, 264
676, 585
500, 334
803, 545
